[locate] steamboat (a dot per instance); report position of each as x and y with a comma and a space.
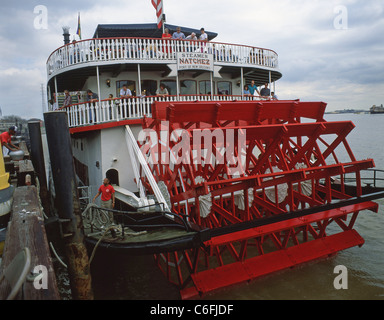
376, 109
220, 186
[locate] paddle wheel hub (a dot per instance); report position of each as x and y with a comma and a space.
258, 178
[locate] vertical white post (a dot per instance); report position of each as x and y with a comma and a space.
56, 87
211, 78
177, 85
242, 83
98, 82
49, 95
139, 78
99, 94
56, 99
270, 87
139, 101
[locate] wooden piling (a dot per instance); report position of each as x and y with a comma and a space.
67, 199
37, 157
26, 229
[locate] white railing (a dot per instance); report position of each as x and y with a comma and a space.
144, 49
111, 110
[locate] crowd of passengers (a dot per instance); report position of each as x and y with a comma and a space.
221, 52
250, 90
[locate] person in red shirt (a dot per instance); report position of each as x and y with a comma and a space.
6, 138
166, 44
107, 193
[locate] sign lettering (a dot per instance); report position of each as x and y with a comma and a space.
194, 61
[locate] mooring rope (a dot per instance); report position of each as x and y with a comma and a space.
57, 256
100, 219
95, 217
116, 228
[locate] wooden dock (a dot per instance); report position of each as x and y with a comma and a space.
26, 229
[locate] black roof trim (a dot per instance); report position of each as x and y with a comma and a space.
146, 30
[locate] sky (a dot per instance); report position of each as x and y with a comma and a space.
330, 51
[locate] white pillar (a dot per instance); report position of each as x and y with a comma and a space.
242, 83
177, 85
56, 101
211, 78
98, 83
270, 87
56, 87
139, 78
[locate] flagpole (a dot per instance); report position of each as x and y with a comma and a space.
163, 15
158, 5
78, 26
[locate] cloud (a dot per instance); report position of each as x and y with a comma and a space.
318, 62
20, 92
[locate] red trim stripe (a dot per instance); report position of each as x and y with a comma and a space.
107, 125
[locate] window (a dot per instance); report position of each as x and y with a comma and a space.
188, 87
205, 87
171, 86
224, 88
150, 87
131, 85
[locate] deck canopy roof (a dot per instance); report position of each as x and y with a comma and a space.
146, 30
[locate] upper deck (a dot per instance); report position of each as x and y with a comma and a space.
136, 54
115, 51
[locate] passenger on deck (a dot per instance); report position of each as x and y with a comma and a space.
192, 36
91, 96
247, 93
253, 89
112, 105
125, 92
203, 36
68, 99
265, 92
192, 46
162, 92
53, 104
273, 96
166, 34
143, 94
166, 44
178, 35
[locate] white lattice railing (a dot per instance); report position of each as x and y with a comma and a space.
111, 110
144, 49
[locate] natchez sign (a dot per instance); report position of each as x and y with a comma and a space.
194, 61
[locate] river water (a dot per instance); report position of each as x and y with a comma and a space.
136, 278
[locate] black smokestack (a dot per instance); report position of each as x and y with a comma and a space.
66, 35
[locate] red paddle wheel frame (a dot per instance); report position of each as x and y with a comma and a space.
245, 162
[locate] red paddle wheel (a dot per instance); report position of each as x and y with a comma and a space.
261, 178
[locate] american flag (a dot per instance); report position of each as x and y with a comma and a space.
158, 5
